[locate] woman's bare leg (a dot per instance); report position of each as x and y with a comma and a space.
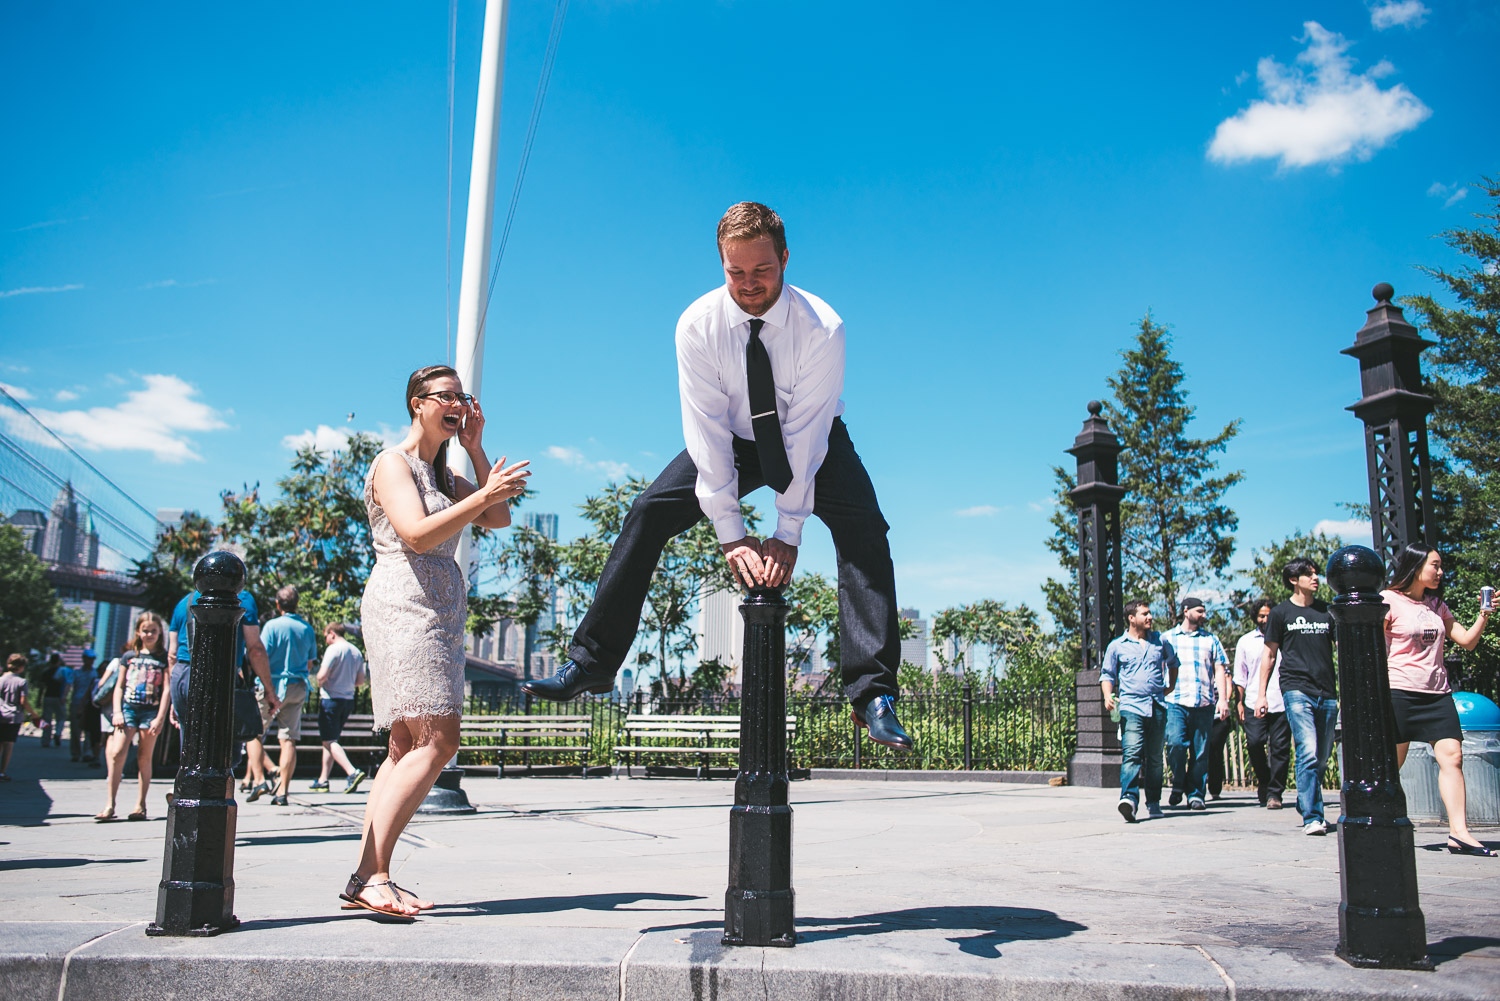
425, 745
143, 753
1450, 759
114, 754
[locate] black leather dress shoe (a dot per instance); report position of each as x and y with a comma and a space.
879, 717
568, 683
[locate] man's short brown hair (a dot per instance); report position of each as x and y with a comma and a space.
16, 661
750, 221
337, 628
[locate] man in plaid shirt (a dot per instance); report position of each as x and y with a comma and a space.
1200, 696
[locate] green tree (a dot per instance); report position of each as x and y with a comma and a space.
1019, 652
813, 612
32, 617
167, 572
526, 564
1463, 376
1176, 530
315, 535
691, 565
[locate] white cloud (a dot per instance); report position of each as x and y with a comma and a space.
1398, 13
1354, 531
155, 419
978, 511
1318, 112
573, 457
38, 289
331, 439
65, 396
174, 283
1451, 194
15, 391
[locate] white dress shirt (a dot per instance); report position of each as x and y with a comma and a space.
1247, 656
805, 339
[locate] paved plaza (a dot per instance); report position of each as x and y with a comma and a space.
613, 888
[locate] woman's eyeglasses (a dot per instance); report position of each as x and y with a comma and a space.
448, 398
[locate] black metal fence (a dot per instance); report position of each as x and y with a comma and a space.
1009, 729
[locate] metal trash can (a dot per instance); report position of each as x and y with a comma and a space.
1480, 720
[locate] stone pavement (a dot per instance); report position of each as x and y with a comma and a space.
613, 888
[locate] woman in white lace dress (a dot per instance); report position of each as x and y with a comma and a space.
414, 609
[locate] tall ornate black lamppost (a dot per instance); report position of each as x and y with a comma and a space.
196, 894
1096, 762
758, 905
1394, 410
1380, 919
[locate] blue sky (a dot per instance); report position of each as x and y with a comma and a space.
223, 230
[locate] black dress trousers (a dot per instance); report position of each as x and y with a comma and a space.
843, 499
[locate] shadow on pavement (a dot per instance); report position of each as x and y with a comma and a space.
548, 905
1455, 946
995, 926
10, 865
256, 841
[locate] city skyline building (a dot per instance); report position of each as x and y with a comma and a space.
914, 650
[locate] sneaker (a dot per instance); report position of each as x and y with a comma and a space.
1273, 802
1127, 810
1315, 827
259, 791
278, 801
354, 780
1195, 803
1153, 811
1176, 798
318, 786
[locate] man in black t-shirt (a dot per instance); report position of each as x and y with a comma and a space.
1301, 630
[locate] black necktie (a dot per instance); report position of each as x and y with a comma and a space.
768, 443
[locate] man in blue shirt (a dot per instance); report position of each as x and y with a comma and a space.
248, 645
292, 648
1201, 696
1143, 669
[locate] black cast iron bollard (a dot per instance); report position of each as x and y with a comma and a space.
758, 906
196, 894
1380, 920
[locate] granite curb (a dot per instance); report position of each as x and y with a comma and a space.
349, 959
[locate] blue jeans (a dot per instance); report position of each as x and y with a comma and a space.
1187, 734
1141, 745
1312, 721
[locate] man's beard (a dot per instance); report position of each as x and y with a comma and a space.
764, 301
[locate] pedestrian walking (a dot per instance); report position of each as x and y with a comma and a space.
46, 684
1139, 671
248, 650
1268, 737
341, 674
1200, 697
292, 652
414, 609
141, 703
83, 715
1300, 630
14, 708
1416, 626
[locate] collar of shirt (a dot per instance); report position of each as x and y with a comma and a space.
776, 317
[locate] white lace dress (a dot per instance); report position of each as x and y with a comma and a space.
413, 613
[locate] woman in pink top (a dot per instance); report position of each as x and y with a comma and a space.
1415, 628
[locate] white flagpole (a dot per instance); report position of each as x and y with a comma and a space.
473, 291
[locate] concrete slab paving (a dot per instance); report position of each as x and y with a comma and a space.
600, 887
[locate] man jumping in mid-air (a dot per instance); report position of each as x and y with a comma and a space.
761, 373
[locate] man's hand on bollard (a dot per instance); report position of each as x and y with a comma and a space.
780, 559
745, 561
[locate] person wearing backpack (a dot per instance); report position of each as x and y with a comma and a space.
141, 703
